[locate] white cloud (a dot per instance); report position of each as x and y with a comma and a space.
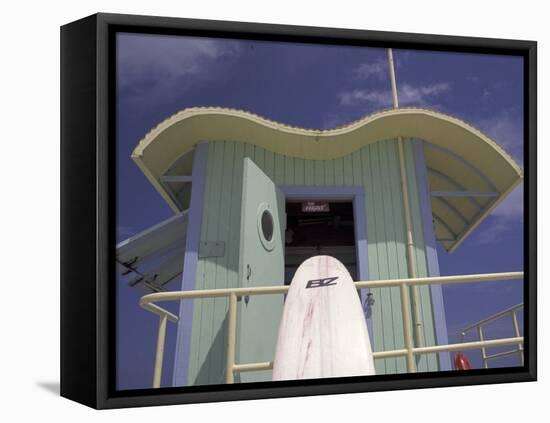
153, 68
408, 95
334, 120
359, 96
493, 233
512, 206
140, 55
378, 69
506, 216
505, 128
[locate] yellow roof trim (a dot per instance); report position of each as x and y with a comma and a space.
179, 134
315, 137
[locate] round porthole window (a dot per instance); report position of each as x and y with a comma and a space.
266, 226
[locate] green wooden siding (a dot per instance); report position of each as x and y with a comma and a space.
376, 168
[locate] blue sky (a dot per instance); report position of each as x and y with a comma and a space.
313, 86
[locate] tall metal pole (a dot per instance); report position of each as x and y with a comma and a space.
483, 350
157, 374
411, 256
231, 338
517, 335
392, 78
406, 313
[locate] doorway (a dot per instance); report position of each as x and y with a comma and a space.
319, 227
348, 242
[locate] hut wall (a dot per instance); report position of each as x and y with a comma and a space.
376, 168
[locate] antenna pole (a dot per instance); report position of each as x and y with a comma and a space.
411, 256
392, 78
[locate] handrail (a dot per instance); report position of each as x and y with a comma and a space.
479, 326
461, 346
493, 317
147, 302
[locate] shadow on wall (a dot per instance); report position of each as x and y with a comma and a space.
212, 370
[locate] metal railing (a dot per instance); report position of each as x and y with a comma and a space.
409, 351
479, 326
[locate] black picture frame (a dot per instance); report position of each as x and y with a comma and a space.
87, 210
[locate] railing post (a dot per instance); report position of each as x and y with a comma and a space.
483, 351
231, 337
160, 351
411, 255
516, 334
406, 312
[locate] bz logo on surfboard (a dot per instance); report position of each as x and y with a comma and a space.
319, 283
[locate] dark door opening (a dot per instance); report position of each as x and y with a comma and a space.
319, 227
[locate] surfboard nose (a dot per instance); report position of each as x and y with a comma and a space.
323, 332
323, 265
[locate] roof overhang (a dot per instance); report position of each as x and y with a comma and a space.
459, 157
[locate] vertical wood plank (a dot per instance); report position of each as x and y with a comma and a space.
319, 176
357, 165
216, 354
431, 362
348, 170
184, 330
329, 172
385, 298
289, 170
259, 157
210, 267
196, 333
374, 272
233, 242
279, 177
234, 247
339, 171
395, 241
386, 259
299, 172
270, 167
309, 172
249, 151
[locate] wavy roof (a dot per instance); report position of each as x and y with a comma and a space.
459, 157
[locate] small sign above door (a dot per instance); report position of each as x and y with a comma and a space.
315, 206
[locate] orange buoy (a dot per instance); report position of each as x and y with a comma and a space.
461, 362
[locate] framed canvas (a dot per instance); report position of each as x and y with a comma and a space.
258, 211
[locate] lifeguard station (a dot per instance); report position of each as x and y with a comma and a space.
253, 198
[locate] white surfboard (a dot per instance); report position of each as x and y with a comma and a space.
323, 332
